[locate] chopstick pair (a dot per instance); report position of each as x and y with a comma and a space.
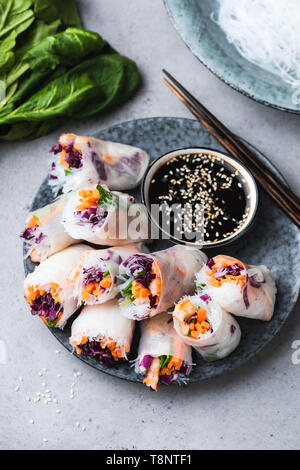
281, 194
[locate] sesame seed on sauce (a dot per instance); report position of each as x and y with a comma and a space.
205, 180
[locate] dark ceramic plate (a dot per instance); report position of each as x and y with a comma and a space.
192, 19
273, 240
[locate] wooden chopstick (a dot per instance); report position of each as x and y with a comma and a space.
270, 175
270, 182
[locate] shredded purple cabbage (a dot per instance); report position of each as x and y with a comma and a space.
46, 306
72, 157
245, 293
93, 275
29, 235
140, 263
93, 348
146, 361
232, 329
100, 167
210, 263
94, 215
206, 298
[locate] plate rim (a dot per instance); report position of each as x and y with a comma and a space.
219, 371
219, 75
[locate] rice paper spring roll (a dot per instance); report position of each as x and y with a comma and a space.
86, 160
203, 324
151, 283
95, 276
48, 289
245, 291
45, 233
101, 331
162, 355
102, 217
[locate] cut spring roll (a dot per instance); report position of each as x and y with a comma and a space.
100, 216
162, 355
48, 289
45, 233
202, 323
245, 291
151, 283
102, 332
85, 160
95, 276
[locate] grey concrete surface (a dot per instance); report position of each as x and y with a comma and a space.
256, 406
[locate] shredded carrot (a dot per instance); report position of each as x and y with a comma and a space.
93, 288
88, 198
201, 315
33, 221
139, 292
62, 160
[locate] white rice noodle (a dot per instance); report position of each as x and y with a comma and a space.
103, 321
265, 33
177, 266
56, 269
119, 166
116, 228
224, 337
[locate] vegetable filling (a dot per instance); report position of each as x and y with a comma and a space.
33, 234
107, 350
96, 282
223, 270
92, 207
69, 156
46, 302
144, 283
165, 369
193, 320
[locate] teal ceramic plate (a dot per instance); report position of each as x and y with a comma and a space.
192, 19
273, 240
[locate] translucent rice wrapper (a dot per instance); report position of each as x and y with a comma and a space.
103, 321
223, 337
176, 266
49, 235
56, 269
256, 300
106, 260
126, 221
119, 166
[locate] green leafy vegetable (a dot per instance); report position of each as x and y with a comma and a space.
105, 274
105, 196
51, 323
52, 69
127, 292
163, 361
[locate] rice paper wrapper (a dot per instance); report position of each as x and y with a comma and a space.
119, 166
99, 321
108, 259
177, 267
56, 269
224, 338
126, 221
159, 338
257, 301
54, 237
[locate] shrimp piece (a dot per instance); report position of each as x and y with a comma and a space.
151, 380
